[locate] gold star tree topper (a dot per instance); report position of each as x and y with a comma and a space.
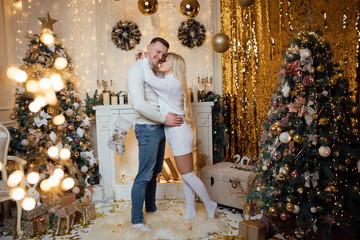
47, 22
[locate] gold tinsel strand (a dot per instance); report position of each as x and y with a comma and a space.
260, 35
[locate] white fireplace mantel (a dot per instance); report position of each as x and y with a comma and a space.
105, 117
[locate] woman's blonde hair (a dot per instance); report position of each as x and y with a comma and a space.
179, 71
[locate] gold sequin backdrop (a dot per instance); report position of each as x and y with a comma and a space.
260, 35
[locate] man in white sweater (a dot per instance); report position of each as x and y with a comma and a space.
149, 130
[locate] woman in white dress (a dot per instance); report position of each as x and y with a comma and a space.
171, 88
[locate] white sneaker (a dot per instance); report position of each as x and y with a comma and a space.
142, 227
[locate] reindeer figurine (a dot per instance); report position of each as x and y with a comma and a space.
66, 212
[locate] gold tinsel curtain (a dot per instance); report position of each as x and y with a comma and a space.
260, 35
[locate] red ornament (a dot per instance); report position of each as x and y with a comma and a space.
294, 174
283, 216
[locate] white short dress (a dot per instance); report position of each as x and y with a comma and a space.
170, 100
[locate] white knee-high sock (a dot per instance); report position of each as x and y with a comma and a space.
190, 201
199, 188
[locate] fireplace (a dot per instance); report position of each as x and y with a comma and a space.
119, 172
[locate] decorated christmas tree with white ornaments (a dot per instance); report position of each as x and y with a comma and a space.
308, 167
51, 131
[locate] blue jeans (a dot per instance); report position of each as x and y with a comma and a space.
151, 141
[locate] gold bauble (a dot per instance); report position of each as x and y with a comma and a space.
81, 143
22, 108
328, 189
272, 210
353, 98
300, 190
323, 121
325, 139
246, 3
286, 168
17, 136
332, 189
13, 116
71, 127
31, 114
320, 68
274, 128
291, 132
353, 109
339, 118
281, 176
354, 121
347, 161
355, 131
297, 138
289, 207
76, 154
333, 81
148, 7
220, 42
300, 86
189, 8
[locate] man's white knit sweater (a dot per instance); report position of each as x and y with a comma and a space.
142, 97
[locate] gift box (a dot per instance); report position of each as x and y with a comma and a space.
37, 225
227, 185
252, 230
89, 210
29, 215
98, 193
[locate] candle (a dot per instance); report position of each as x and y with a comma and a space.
106, 98
114, 100
122, 99
195, 94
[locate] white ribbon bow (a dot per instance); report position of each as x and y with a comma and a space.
311, 176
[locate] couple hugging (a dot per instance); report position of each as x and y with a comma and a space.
162, 110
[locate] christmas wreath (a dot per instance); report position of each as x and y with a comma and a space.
191, 33
125, 35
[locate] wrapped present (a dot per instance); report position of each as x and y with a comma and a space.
68, 198
90, 213
98, 193
37, 225
29, 215
252, 230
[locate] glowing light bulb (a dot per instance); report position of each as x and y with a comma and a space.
50, 97
45, 83
53, 181
60, 63
32, 86
28, 203
17, 193
59, 173
1, 165
15, 178
33, 177
20, 76
53, 152
47, 38
67, 183
34, 107
41, 101
65, 154
56, 82
59, 119
45, 186
11, 72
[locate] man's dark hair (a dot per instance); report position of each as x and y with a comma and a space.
161, 40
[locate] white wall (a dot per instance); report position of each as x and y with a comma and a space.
84, 28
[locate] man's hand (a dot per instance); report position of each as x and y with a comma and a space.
173, 120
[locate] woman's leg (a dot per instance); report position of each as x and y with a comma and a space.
185, 166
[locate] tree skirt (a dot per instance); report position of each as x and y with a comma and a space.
165, 224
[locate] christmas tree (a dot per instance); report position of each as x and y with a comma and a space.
308, 167
51, 131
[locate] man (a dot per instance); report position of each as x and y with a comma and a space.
149, 130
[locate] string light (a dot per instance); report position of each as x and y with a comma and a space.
59, 173
28, 203
20, 76
45, 186
67, 183
53, 152
33, 177
17, 193
59, 119
15, 178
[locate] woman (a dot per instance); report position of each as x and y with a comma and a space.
173, 98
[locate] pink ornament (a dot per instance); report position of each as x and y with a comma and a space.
294, 174
308, 81
76, 140
283, 216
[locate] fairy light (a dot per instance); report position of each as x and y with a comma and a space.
56, 82
67, 183
59, 173
32, 86
34, 107
65, 154
15, 178
47, 38
45, 83
50, 97
11, 72
53, 152
45, 186
60, 63
17, 193
53, 181
33, 177
28, 203
59, 119
20, 76
41, 101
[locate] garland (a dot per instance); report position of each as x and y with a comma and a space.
125, 35
97, 99
191, 33
219, 128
